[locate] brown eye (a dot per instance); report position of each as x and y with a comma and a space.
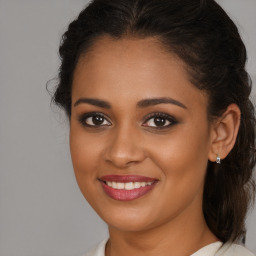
97, 120
158, 122
94, 119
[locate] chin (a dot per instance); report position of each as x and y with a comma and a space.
129, 219
128, 225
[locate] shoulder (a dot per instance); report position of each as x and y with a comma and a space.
228, 249
99, 250
231, 249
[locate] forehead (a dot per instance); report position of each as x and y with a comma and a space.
132, 67
127, 47
142, 53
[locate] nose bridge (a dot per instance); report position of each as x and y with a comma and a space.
124, 146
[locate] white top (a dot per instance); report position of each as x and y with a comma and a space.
214, 249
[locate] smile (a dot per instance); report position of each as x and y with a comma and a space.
127, 187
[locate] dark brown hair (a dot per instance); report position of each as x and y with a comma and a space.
206, 39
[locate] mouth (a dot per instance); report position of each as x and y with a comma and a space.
127, 187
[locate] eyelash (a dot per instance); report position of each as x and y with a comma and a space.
164, 116
82, 119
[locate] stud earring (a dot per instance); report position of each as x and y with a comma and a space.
218, 159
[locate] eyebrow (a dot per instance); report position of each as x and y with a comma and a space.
155, 101
141, 104
95, 102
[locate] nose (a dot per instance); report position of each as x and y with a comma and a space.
124, 148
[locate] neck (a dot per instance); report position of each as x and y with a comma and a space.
181, 236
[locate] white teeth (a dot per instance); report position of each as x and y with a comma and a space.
120, 185
128, 185
114, 184
136, 184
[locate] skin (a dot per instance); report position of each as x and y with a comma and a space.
169, 218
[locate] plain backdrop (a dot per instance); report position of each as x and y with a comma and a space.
42, 212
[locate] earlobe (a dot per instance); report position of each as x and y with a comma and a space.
224, 133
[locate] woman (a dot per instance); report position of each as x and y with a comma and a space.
162, 131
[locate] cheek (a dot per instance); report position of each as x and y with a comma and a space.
85, 158
183, 158
84, 154
183, 163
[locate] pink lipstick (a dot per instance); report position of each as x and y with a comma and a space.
127, 187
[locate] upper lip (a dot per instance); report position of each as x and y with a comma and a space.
127, 178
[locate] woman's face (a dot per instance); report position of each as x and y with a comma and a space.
139, 134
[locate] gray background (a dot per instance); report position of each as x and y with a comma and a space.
42, 212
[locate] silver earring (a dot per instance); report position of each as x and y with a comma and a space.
218, 159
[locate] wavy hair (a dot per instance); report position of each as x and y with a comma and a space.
201, 34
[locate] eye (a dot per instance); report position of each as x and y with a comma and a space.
94, 119
159, 120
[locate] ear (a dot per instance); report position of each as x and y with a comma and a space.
224, 133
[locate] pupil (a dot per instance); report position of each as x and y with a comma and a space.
98, 120
159, 121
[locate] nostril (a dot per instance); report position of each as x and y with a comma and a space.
123, 151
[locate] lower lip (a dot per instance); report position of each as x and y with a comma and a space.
127, 195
